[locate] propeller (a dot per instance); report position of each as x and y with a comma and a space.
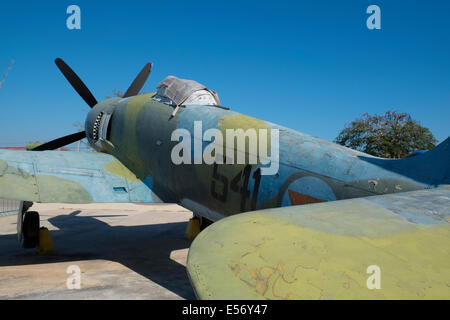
61, 142
139, 82
76, 82
89, 98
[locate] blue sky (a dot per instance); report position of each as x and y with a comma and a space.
309, 65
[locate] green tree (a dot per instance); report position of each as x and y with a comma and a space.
392, 135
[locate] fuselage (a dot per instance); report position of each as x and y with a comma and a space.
138, 131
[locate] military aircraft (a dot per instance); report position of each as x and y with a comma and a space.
324, 216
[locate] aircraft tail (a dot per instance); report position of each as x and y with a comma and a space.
432, 167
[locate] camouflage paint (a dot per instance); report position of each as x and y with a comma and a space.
68, 177
322, 251
139, 138
314, 169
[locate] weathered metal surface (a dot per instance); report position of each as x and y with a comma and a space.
138, 135
313, 169
322, 251
70, 177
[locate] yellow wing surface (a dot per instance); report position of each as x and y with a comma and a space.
384, 247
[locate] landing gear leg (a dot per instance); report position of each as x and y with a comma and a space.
27, 226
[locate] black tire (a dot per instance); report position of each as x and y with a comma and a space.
30, 230
27, 205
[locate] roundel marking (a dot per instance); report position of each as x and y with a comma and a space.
307, 190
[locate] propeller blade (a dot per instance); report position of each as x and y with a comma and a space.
76, 82
61, 142
139, 82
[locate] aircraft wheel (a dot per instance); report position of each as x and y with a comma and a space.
30, 230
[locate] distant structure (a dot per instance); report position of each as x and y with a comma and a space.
5, 74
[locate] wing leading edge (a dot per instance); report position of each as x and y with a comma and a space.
69, 177
334, 250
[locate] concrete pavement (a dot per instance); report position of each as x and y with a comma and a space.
124, 251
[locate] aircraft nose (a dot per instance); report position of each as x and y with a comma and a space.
98, 122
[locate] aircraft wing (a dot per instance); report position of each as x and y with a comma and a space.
69, 177
384, 247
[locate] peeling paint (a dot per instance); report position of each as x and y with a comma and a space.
322, 251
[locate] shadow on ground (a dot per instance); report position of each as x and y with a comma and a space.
143, 249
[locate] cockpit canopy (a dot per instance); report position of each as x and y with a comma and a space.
180, 92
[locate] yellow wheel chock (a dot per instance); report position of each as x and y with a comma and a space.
193, 229
45, 242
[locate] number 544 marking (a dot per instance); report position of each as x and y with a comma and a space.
243, 175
